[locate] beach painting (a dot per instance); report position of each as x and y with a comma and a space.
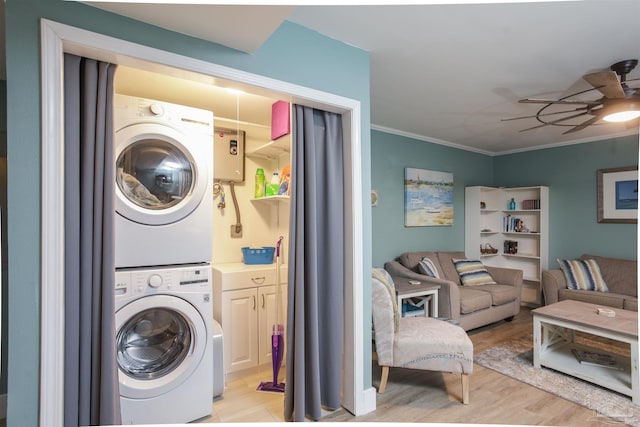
428, 198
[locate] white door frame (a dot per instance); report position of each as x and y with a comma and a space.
57, 39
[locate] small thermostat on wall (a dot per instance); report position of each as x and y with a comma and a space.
374, 198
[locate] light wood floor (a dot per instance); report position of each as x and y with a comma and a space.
430, 397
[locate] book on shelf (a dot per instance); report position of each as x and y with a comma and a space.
510, 247
531, 204
596, 359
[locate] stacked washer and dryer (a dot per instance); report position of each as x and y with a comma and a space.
169, 347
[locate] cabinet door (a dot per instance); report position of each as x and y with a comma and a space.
267, 318
239, 320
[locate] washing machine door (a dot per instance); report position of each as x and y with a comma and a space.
158, 179
160, 341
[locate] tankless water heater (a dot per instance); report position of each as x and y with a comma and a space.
228, 155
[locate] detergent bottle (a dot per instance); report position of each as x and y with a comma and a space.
259, 191
273, 185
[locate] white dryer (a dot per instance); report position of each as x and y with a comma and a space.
164, 327
164, 183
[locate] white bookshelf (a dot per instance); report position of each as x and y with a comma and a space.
486, 226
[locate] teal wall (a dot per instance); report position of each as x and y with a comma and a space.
390, 155
292, 54
3, 230
570, 173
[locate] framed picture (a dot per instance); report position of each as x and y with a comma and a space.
618, 195
428, 198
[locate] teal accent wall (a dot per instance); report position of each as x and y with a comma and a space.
292, 54
570, 172
3, 243
390, 155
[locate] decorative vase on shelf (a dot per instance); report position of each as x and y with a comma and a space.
512, 205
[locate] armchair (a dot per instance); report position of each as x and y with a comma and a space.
416, 342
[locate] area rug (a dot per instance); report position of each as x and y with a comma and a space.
515, 359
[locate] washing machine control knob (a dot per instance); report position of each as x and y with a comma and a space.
154, 280
156, 109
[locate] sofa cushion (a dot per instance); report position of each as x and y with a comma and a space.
446, 264
602, 298
630, 303
472, 300
472, 272
428, 268
583, 274
620, 275
500, 294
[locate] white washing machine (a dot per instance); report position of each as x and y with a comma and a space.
164, 331
164, 183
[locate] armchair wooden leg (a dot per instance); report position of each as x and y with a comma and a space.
383, 379
465, 389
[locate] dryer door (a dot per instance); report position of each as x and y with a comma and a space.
158, 179
160, 340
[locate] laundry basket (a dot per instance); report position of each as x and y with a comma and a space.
262, 255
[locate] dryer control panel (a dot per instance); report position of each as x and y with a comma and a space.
131, 281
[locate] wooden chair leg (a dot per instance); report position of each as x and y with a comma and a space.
383, 379
465, 389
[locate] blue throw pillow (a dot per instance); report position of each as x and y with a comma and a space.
472, 272
583, 274
428, 268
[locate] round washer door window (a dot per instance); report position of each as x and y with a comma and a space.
160, 341
158, 180
153, 343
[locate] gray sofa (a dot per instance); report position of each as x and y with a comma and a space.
472, 306
620, 275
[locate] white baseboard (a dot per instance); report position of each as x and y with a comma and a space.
3, 406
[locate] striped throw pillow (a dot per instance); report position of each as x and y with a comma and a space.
583, 274
428, 268
472, 272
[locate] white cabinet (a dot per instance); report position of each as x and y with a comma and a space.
239, 322
245, 305
520, 234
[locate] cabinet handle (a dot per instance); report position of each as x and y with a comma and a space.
262, 300
258, 280
254, 301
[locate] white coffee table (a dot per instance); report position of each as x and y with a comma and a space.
553, 339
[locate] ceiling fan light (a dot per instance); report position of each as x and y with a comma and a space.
622, 116
623, 112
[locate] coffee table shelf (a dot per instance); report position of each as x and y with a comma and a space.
554, 328
560, 358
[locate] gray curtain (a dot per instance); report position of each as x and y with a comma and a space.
91, 395
316, 266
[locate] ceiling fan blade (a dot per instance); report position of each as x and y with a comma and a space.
589, 122
544, 114
606, 82
557, 121
558, 101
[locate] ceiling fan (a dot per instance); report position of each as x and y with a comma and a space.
619, 103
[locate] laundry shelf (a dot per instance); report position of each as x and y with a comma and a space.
271, 149
271, 199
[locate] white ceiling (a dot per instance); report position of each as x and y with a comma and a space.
448, 73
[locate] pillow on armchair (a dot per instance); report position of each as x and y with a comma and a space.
383, 276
